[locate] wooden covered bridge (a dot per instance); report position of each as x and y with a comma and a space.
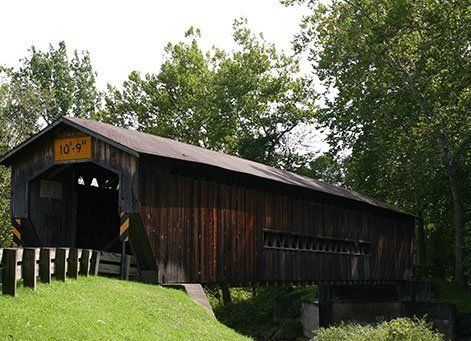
193, 215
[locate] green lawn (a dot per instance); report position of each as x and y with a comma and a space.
98, 308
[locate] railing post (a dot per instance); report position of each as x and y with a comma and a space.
30, 267
95, 263
45, 265
126, 267
9, 273
73, 263
85, 262
61, 263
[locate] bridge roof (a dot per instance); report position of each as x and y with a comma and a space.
137, 143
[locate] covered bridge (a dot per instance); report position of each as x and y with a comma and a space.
193, 215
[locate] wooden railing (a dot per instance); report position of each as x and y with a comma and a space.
29, 264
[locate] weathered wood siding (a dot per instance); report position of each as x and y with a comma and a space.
206, 226
54, 220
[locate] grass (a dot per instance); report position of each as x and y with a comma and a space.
450, 292
98, 308
253, 316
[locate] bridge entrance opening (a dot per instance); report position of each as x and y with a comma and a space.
76, 205
97, 215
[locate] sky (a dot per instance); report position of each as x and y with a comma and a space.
127, 35
122, 36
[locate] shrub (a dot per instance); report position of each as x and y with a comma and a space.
401, 329
253, 316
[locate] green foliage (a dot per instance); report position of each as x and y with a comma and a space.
46, 85
18, 111
55, 85
253, 315
399, 100
5, 232
244, 102
401, 329
325, 167
5, 140
448, 292
98, 308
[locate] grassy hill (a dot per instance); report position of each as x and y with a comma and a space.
109, 309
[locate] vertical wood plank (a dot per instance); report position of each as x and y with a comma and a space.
9, 272
73, 263
126, 268
85, 262
197, 238
95, 263
61, 263
45, 265
30, 267
207, 227
221, 234
209, 235
202, 234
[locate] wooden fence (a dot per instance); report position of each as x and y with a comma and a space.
29, 264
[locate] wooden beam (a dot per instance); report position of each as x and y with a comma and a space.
9, 275
95, 263
61, 263
58, 170
30, 267
85, 262
45, 265
73, 263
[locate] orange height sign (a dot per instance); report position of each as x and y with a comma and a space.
73, 148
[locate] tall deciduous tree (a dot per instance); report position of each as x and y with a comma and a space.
46, 85
400, 69
244, 102
57, 84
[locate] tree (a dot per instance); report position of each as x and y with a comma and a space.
325, 167
245, 102
17, 123
402, 95
57, 85
44, 87
4, 173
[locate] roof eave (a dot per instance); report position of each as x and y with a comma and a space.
100, 137
377, 204
6, 158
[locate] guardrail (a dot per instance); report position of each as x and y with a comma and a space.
29, 264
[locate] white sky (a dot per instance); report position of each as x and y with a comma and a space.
122, 36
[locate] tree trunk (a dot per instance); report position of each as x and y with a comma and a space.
421, 246
458, 209
226, 294
453, 171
